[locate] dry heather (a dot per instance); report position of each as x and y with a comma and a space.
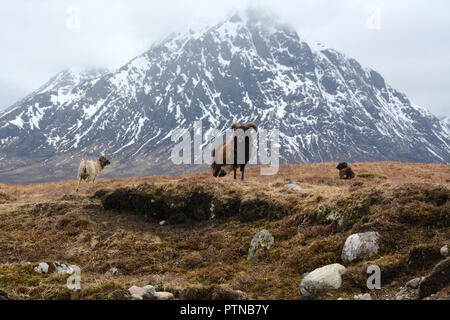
201, 251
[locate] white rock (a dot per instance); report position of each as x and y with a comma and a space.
135, 290
162, 222
444, 251
112, 272
292, 186
149, 291
162, 295
322, 279
42, 268
62, 268
261, 241
360, 245
365, 296
414, 283
136, 296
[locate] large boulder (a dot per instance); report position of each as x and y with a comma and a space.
438, 278
261, 241
321, 280
360, 245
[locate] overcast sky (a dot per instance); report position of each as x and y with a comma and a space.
407, 41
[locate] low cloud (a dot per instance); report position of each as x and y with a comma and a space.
409, 47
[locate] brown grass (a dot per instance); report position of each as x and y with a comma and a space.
203, 257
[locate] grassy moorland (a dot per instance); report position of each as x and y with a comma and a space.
201, 249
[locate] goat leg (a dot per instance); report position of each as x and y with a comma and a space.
78, 186
242, 171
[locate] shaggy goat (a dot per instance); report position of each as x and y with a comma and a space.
89, 170
229, 150
345, 172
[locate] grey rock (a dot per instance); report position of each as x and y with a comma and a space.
112, 272
365, 296
149, 291
62, 268
261, 241
292, 186
42, 268
321, 280
414, 283
444, 251
360, 245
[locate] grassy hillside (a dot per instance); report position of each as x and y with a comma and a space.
201, 249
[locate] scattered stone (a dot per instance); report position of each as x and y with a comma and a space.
438, 278
365, 296
322, 279
409, 291
360, 245
162, 295
162, 222
112, 272
62, 268
444, 251
261, 241
293, 186
42, 268
135, 290
149, 291
414, 283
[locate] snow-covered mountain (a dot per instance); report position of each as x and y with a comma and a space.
326, 105
446, 121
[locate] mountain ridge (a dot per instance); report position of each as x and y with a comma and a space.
326, 105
